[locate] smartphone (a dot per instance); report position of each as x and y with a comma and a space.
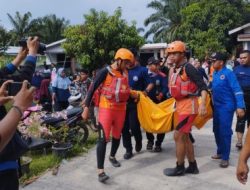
14, 87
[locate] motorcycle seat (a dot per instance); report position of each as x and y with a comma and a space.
49, 120
74, 111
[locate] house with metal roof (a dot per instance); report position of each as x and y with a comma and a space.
56, 54
242, 34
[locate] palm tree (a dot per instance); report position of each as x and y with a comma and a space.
140, 30
21, 25
51, 28
166, 20
4, 39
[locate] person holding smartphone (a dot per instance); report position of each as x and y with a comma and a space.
22, 101
10, 152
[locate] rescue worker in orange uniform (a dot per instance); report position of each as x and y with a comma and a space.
185, 85
112, 82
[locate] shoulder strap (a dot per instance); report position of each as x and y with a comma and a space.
110, 71
183, 73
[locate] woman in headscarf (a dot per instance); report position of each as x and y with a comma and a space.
60, 88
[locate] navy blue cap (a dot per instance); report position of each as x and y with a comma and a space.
152, 60
218, 56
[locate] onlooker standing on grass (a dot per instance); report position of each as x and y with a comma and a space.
60, 88
84, 82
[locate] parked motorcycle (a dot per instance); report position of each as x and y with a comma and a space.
78, 130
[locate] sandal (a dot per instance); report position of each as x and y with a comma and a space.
216, 157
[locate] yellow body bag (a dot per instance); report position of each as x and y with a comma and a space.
159, 118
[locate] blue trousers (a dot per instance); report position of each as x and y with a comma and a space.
222, 128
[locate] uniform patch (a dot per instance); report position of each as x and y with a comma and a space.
222, 77
157, 82
135, 78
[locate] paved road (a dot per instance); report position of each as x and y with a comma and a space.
144, 170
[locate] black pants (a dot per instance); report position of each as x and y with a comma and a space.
241, 122
159, 138
9, 180
101, 147
131, 123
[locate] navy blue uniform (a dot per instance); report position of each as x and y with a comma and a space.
160, 87
242, 73
227, 97
138, 80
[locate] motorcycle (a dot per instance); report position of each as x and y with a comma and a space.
77, 130
75, 101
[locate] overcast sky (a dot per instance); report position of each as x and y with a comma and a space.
74, 10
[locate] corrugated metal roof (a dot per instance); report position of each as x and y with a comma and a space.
239, 29
154, 46
55, 43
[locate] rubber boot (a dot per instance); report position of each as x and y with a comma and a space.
179, 170
192, 168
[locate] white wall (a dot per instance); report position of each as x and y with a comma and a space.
246, 45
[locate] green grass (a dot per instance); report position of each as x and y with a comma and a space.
39, 164
42, 163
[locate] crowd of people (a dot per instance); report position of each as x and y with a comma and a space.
177, 76
113, 91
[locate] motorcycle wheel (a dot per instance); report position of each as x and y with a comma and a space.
81, 133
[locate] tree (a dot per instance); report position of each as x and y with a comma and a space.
166, 20
49, 28
4, 39
21, 25
205, 25
94, 43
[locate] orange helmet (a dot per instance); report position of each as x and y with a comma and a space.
124, 53
176, 46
